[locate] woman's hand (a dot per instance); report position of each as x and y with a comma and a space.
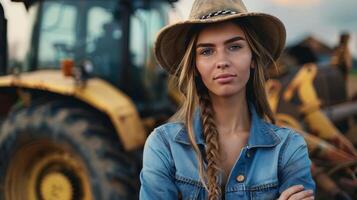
297, 192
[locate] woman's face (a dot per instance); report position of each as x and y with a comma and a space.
223, 59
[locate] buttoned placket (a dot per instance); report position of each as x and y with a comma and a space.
237, 173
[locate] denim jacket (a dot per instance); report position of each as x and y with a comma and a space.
274, 159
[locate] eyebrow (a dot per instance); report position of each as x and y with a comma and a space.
237, 38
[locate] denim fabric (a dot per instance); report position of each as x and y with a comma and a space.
274, 159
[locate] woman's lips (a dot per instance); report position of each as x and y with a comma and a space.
224, 78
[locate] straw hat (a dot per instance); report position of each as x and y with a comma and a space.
171, 42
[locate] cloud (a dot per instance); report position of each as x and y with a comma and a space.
324, 19
296, 2
342, 15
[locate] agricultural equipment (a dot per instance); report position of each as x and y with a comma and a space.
75, 115
312, 99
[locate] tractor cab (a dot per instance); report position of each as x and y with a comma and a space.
75, 116
111, 39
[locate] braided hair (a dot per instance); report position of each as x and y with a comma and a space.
210, 134
195, 94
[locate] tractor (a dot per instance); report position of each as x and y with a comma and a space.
307, 91
75, 114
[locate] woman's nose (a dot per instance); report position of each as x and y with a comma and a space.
222, 60
222, 64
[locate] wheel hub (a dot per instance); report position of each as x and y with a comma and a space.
43, 170
56, 186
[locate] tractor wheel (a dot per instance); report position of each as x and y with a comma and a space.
55, 151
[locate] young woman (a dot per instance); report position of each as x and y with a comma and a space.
222, 144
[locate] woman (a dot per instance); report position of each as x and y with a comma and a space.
220, 144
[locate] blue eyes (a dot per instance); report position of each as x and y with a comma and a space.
206, 51
210, 50
235, 47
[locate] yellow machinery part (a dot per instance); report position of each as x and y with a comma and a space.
56, 186
287, 120
303, 85
317, 121
273, 88
32, 168
96, 92
315, 144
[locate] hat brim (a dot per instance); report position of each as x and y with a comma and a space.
170, 43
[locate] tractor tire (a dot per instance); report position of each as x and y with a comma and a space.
58, 151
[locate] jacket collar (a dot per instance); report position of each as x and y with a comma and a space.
182, 135
261, 133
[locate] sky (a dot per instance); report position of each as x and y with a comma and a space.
324, 19
17, 27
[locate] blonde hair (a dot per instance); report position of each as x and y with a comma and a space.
196, 94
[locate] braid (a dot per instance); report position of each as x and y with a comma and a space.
194, 92
210, 133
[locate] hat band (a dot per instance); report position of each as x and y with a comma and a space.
217, 13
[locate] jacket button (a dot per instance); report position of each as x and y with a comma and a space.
240, 178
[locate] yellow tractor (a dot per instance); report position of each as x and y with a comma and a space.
75, 114
309, 94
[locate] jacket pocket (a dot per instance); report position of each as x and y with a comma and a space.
190, 189
268, 191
